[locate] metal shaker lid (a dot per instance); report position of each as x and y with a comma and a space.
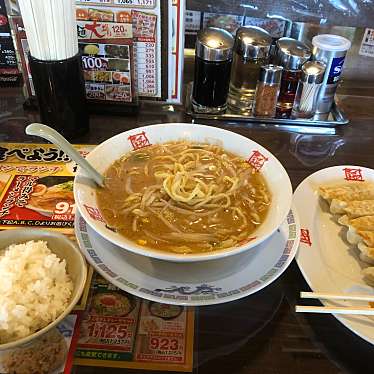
271, 74
313, 72
252, 42
292, 53
214, 44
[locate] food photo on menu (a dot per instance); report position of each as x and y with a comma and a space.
186, 187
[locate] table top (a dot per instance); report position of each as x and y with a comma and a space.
262, 332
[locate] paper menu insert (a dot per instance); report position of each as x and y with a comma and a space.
36, 187
163, 344
124, 331
36, 191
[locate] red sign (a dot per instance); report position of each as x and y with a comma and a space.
3, 20
257, 160
94, 213
305, 237
353, 174
139, 140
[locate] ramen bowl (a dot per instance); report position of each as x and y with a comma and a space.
262, 160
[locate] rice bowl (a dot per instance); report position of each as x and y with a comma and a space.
22, 313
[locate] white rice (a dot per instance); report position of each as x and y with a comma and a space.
34, 289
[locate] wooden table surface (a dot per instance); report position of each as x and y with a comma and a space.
260, 333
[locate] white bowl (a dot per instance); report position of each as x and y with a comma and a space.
75, 266
112, 149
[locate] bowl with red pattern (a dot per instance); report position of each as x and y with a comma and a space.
257, 156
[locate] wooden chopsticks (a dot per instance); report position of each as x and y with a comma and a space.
330, 296
362, 310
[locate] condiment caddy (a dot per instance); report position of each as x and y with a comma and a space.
245, 79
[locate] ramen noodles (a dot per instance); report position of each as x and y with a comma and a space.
183, 197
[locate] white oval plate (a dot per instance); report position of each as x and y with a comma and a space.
112, 149
199, 283
326, 260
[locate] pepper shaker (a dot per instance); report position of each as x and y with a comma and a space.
330, 49
251, 51
267, 91
306, 99
213, 58
291, 54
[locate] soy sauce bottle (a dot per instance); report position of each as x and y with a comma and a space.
213, 58
291, 55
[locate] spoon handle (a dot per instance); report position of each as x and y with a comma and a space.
54, 137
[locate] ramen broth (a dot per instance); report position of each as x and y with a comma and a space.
183, 197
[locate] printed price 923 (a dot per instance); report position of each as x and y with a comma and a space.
163, 343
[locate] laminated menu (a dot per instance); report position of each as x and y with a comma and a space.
36, 191
36, 187
118, 329
157, 37
106, 38
122, 330
107, 56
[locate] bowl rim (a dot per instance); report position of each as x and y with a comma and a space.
175, 257
73, 301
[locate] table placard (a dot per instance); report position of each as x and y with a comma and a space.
145, 25
154, 32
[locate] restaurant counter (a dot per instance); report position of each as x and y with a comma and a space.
260, 333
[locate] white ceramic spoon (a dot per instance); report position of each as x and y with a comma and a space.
57, 139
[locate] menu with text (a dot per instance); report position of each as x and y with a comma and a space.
135, 22
117, 329
122, 330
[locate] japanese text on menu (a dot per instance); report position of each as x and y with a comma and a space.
144, 16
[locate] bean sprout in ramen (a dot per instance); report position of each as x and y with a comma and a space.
183, 197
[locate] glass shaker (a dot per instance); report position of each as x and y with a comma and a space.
291, 54
306, 99
213, 58
267, 91
251, 51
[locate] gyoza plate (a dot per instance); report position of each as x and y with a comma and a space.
199, 283
328, 262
